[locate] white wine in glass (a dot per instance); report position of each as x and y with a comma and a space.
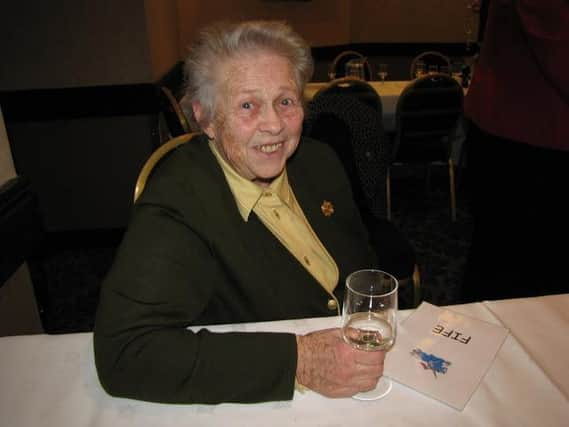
369, 318
369, 332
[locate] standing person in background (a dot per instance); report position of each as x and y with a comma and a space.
518, 152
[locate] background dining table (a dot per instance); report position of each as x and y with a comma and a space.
50, 380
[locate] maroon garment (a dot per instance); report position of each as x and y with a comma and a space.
520, 86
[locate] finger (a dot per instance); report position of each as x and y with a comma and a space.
370, 358
347, 390
370, 371
365, 384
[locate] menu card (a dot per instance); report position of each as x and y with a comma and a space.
443, 354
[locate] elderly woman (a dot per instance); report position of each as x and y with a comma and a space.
246, 223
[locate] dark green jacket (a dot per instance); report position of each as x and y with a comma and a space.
188, 258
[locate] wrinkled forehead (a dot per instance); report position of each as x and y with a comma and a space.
255, 71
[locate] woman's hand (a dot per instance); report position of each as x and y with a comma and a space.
331, 367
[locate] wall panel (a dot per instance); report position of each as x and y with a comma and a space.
70, 43
409, 21
321, 22
337, 22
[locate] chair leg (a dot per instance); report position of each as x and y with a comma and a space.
388, 192
452, 190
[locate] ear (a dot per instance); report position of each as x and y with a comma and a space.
207, 127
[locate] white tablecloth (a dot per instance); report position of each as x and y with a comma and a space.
535, 323
51, 381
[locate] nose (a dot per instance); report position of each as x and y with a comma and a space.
271, 121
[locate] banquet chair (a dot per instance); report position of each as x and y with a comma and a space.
430, 57
347, 116
155, 157
173, 121
350, 86
338, 67
427, 114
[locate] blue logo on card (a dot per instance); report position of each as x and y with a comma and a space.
431, 362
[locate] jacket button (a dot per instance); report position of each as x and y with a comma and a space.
332, 304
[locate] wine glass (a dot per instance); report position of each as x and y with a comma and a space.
369, 318
355, 69
382, 72
419, 69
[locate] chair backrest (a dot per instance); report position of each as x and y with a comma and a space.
347, 115
427, 113
353, 87
338, 66
430, 57
174, 117
155, 157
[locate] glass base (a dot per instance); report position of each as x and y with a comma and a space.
382, 388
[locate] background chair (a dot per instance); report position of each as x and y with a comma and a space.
357, 88
430, 58
172, 121
347, 116
338, 67
427, 115
155, 157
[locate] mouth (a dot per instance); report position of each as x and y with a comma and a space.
269, 148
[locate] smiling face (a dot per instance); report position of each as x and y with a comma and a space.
258, 119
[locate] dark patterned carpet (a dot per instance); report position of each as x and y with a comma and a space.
73, 265
441, 245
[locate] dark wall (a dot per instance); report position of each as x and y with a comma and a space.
82, 149
83, 170
73, 43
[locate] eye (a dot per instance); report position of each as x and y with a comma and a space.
287, 101
246, 105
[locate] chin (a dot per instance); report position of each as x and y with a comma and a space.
269, 174
267, 177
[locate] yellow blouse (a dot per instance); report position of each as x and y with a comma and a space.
277, 208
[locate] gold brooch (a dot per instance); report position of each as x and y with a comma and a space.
327, 208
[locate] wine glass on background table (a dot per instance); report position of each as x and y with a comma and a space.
369, 318
355, 68
382, 72
420, 69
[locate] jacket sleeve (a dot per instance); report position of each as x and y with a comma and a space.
163, 276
